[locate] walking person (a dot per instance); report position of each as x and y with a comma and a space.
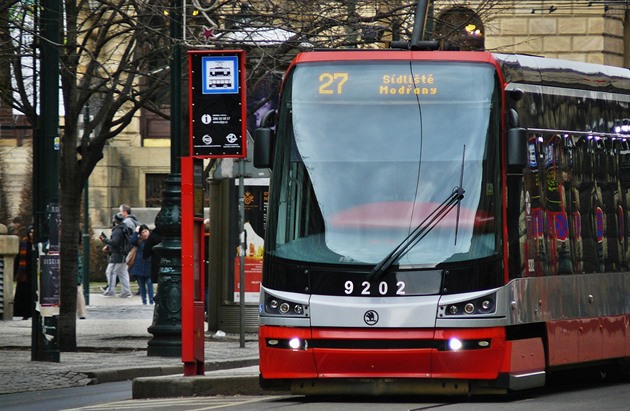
81, 307
116, 267
141, 268
154, 239
129, 218
131, 224
23, 299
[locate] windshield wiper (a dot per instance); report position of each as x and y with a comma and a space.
421, 231
461, 184
417, 234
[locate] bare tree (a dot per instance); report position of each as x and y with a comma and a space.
114, 59
272, 32
105, 63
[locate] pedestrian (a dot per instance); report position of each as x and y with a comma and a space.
15, 227
23, 299
141, 267
81, 308
129, 218
131, 223
154, 239
116, 267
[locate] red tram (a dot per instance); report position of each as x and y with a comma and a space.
444, 222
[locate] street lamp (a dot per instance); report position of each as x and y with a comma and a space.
167, 320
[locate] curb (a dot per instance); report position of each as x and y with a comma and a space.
240, 381
123, 374
198, 386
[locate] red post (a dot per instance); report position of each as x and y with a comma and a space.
193, 341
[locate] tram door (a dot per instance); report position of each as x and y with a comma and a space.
193, 257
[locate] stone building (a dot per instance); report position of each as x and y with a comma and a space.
136, 162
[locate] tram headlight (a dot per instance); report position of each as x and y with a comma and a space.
477, 306
277, 306
455, 344
295, 343
284, 308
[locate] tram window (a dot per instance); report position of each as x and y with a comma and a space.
575, 191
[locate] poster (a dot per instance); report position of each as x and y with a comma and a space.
255, 200
49, 280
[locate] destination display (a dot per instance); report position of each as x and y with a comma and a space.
419, 84
397, 81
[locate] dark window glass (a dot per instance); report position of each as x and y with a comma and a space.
154, 187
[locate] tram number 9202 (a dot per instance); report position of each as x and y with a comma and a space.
367, 288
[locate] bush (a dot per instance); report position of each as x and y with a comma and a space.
98, 260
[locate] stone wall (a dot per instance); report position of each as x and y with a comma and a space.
120, 177
9, 248
15, 173
578, 33
573, 31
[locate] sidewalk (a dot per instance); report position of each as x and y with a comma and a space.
112, 346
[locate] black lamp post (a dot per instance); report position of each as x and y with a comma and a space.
44, 335
167, 318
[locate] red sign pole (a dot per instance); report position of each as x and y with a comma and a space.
192, 280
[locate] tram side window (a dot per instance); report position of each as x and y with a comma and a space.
575, 205
552, 244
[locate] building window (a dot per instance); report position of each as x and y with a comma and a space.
154, 187
154, 127
461, 27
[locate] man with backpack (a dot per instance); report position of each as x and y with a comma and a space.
116, 245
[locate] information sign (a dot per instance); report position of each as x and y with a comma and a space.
217, 103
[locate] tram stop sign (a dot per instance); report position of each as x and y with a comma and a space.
218, 126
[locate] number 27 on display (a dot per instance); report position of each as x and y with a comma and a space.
332, 83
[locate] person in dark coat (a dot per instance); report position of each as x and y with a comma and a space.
141, 268
23, 300
154, 239
116, 267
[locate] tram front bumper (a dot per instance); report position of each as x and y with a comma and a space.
381, 354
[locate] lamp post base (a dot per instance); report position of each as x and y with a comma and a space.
167, 317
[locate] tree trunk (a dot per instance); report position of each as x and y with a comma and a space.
70, 197
70, 234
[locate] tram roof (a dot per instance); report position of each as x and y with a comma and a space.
563, 73
516, 68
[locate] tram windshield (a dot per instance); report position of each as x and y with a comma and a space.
365, 151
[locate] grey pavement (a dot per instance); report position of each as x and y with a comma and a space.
112, 346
